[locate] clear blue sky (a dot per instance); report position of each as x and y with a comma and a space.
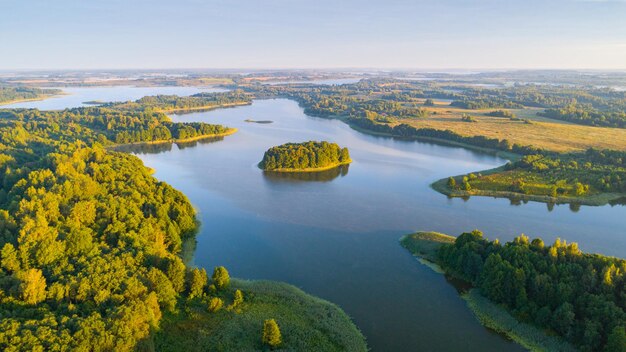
84, 34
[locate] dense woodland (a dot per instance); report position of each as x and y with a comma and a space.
106, 124
558, 288
302, 156
8, 94
90, 242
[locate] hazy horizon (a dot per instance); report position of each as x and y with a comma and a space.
280, 34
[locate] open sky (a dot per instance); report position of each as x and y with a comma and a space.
435, 34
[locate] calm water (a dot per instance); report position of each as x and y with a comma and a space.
336, 235
76, 96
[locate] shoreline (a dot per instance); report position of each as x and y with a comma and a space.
309, 169
440, 186
489, 314
202, 108
599, 199
183, 140
499, 153
289, 305
29, 99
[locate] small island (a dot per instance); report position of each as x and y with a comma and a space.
258, 121
309, 156
94, 102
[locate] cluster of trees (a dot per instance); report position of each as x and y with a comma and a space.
90, 242
554, 175
107, 124
604, 170
22, 93
307, 155
174, 102
485, 103
501, 113
170, 130
581, 297
468, 118
587, 116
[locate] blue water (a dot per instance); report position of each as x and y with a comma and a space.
75, 96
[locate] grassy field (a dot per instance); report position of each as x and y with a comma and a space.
539, 131
307, 323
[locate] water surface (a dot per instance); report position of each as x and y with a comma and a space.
74, 97
337, 237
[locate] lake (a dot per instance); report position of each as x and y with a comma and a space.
76, 96
336, 235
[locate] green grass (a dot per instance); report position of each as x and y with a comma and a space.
500, 320
425, 244
307, 323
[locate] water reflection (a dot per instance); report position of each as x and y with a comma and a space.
144, 148
207, 140
157, 148
321, 176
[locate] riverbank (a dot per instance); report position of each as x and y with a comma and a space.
307, 323
424, 246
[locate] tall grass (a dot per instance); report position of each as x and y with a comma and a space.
307, 323
500, 320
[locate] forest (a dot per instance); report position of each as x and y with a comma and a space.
91, 250
557, 287
90, 241
306, 156
171, 103
10, 94
113, 125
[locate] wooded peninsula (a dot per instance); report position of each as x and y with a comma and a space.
552, 290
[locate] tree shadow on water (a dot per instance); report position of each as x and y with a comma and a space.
319, 176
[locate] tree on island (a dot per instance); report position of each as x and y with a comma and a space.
451, 183
306, 156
